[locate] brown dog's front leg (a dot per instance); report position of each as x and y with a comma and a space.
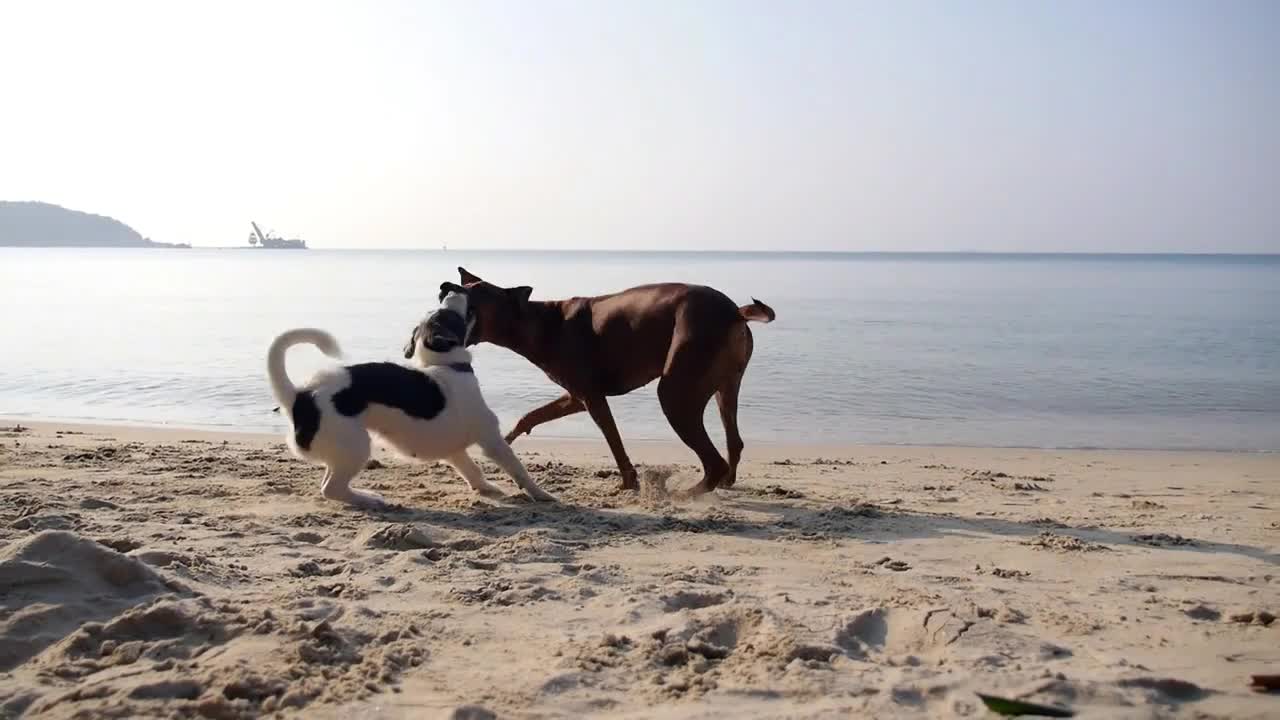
598, 407
558, 408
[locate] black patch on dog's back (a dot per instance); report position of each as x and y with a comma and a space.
391, 384
305, 415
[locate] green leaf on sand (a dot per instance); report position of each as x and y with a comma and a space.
1004, 706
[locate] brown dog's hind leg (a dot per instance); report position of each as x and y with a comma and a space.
727, 399
736, 357
684, 406
598, 407
560, 407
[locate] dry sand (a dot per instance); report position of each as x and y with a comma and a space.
160, 573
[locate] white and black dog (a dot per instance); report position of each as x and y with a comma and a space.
431, 412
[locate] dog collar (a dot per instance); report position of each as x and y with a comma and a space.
462, 367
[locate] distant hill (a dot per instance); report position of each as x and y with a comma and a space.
37, 224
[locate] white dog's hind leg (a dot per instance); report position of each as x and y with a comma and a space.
496, 449
337, 482
474, 476
337, 486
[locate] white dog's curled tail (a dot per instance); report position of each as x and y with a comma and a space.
281, 386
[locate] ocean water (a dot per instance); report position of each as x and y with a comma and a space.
1169, 352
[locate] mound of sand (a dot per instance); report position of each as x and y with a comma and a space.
88, 629
57, 580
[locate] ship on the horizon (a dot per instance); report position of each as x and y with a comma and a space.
257, 238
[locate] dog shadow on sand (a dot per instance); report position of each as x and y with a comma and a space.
593, 512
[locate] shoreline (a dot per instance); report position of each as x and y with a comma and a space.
771, 449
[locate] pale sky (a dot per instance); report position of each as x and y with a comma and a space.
944, 125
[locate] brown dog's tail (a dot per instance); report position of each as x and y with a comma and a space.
757, 311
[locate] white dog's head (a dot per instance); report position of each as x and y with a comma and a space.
441, 337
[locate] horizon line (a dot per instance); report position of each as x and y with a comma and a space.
680, 251
676, 251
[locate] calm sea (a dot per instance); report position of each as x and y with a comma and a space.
1001, 350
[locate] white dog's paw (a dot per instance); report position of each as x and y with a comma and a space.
367, 500
539, 494
493, 492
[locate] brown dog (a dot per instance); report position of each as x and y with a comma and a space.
692, 337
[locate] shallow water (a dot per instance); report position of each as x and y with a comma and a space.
1004, 350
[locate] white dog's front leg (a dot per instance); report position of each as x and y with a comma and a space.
496, 449
474, 476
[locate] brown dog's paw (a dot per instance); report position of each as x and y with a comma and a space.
630, 481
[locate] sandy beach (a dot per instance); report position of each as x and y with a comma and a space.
171, 573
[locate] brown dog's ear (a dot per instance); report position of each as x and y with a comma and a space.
466, 277
521, 294
412, 345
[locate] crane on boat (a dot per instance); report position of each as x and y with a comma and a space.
257, 238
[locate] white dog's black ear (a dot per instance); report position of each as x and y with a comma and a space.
412, 345
448, 287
